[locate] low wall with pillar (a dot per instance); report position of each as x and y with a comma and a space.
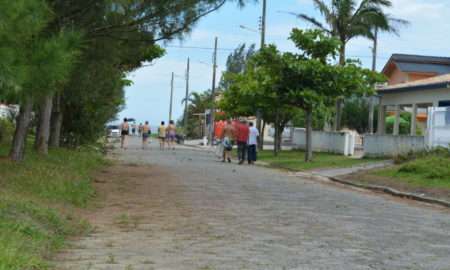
390, 146
331, 142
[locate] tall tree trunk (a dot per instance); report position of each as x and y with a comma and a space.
261, 135
44, 124
56, 123
342, 53
280, 137
275, 139
37, 117
339, 100
308, 150
258, 126
17, 152
275, 143
338, 115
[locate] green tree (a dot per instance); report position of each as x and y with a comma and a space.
313, 81
236, 63
348, 19
120, 37
198, 104
38, 55
260, 87
35, 60
355, 114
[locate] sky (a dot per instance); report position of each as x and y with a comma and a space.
148, 98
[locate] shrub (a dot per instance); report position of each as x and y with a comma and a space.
431, 165
6, 131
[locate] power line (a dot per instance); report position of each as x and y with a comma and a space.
199, 48
228, 49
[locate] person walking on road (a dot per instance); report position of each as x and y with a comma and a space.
252, 142
140, 129
227, 141
171, 135
162, 135
124, 132
242, 132
145, 130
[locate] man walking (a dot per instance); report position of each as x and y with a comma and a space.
162, 135
252, 142
145, 131
124, 132
242, 132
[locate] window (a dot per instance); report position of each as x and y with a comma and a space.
444, 103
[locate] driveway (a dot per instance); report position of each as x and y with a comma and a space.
183, 209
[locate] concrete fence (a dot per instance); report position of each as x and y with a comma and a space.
389, 145
331, 142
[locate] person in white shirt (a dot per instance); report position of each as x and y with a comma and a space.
252, 143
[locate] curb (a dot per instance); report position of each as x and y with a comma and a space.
381, 189
375, 188
393, 192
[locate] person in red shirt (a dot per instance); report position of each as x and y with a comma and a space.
242, 132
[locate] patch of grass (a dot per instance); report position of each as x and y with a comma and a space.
427, 170
34, 197
62, 176
294, 160
123, 220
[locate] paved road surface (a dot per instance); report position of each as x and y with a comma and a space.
184, 210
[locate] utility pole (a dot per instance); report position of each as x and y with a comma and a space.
263, 23
263, 42
187, 96
374, 68
171, 97
213, 94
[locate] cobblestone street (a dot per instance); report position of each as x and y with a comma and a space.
185, 210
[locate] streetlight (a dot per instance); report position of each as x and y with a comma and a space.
248, 28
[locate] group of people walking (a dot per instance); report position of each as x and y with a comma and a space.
246, 137
166, 135
241, 132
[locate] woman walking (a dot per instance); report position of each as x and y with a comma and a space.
171, 134
124, 132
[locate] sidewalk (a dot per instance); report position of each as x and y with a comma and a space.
338, 176
354, 169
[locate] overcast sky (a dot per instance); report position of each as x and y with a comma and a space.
148, 97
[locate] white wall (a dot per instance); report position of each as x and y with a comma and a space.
389, 145
331, 142
438, 132
4, 111
415, 97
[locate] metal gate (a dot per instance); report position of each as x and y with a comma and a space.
438, 127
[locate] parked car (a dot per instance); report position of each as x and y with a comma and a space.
113, 131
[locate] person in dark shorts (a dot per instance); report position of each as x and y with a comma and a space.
227, 140
145, 130
252, 142
124, 132
162, 135
171, 135
242, 132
